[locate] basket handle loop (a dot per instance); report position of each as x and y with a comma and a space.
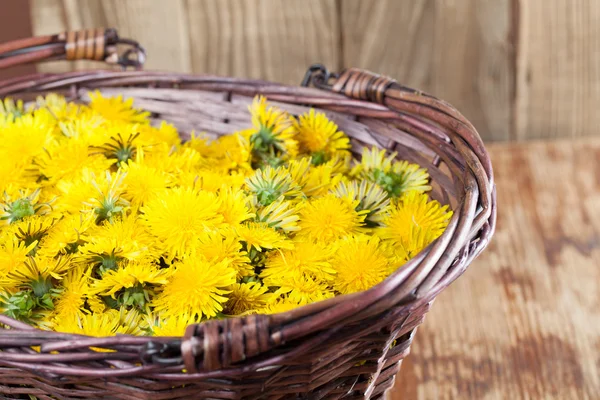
217, 344
90, 44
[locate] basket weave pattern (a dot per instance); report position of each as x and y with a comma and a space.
348, 347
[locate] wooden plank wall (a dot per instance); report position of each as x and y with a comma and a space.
519, 69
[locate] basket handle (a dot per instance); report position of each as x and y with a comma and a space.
90, 44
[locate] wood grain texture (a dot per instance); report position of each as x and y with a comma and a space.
558, 85
459, 50
266, 39
524, 321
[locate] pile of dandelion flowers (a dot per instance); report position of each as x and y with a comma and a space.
196, 287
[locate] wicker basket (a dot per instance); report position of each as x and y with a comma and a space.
348, 347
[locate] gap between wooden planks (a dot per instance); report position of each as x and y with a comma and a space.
524, 320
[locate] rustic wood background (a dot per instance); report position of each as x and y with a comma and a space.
519, 69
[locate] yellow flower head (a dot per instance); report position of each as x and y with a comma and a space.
360, 264
126, 238
328, 218
172, 326
247, 298
303, 289
117, 109
233, 206
306, 258
196, 287
178, 216
370, 196
260, 236
273, 132
319, 136
396, 177
217, 247
72, 298
19, 206
278, 305
412, 211
136, 276
143, 181
67, 235
13, 253
281, 215
269, 184
102, 324
11, 108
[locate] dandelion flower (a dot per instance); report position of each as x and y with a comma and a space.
328, 218
396, 177
270, 184
360, 264
107, 323
24, 205
171, 326
369, 195
303, 289
414, 210
320, 137
246, 298
71, 299
306, 258
273, 133
217, 247
196, 287
143, 181
260, 236
131, 284
233, 206
280, 214
116, 109
178, 216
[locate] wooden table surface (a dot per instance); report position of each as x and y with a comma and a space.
524, 321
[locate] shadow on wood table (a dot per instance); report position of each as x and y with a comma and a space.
524, 320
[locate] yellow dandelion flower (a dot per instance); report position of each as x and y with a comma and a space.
196, 287
11, 108
178, 216
107, 201
319, 136
117, 109
370, 196
396, 177
273, 132
164, 133
247, 298
217, 247
269, 184
280, 305
102, 324
13, 253
66, 160
41, 270
260, 236
19, 206
126, 238
303, 289
143, 181
306, 258
58, 106
328, 218
32, 229
322, 178
131, 284
171, 326
27, 137
414, 210
360, 264
66, 235
233, 206
71, 299
280, 214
